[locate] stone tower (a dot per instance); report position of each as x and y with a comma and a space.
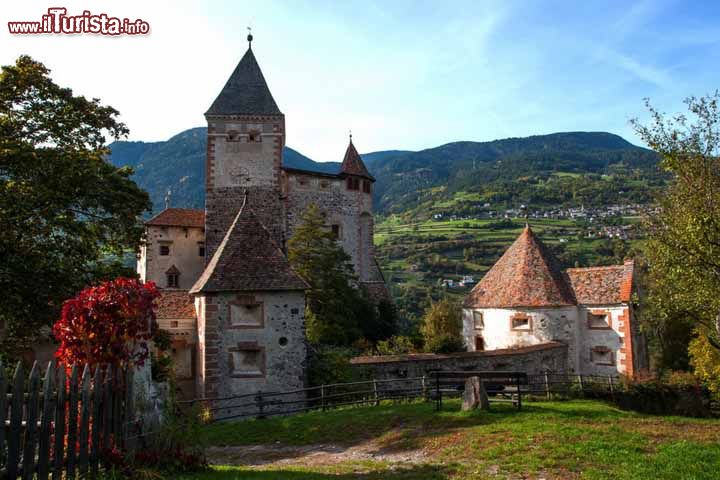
246, 136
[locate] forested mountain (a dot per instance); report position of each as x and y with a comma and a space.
589, 168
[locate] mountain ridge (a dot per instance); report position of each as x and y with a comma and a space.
405, 177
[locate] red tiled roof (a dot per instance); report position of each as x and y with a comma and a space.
352, 164
178, 217
527, 275
175, 304
602, 285
246, 260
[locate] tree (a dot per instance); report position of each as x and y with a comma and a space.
683, 249
441, 327
378, 323
67, 216
109, 324
332, 302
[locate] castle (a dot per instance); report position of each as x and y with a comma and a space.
525, 300
231, 301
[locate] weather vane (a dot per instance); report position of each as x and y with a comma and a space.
350, 131
249, 37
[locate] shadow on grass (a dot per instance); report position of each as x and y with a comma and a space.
416, 472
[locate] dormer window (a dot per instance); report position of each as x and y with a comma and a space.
172, 277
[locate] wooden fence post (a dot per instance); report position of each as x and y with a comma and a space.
260, 405
31, 423
424, 388
84, 423
322, 397
97, 422
582, 384
547, 386
43, 466
612, 389
375, 393
60, 425
16, 414
72, 423
3, 412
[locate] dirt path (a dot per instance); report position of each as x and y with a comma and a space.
321, 454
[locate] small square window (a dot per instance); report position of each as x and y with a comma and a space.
479, 343
164, 250
602, 356
174, 324
521, 322
201, 250
478, 321
247, 361
335, 229
598, 320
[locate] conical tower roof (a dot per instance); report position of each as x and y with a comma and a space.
352, 163
246, 92
527, 275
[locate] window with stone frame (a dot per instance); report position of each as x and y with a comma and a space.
598, 320
246, 312
366, 186
247, 360
164, 250
353, 183
479, 343
254, 137
478, 320
602, 355
521, 322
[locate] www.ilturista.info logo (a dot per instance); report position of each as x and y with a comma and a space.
57, 21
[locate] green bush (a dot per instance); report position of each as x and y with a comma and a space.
330, 364
445, 343
679, 393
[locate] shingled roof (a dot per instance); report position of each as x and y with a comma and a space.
527, 275
602, 285
175, 304
352, 164
178, 217
247, 260
245, 92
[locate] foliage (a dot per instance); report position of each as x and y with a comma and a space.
684, 236
678, 393
109, 324
329, 364
395, 345
705, 360
334, 305
67, 216
378, 323
441, 327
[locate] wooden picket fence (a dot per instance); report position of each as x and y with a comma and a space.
59, 427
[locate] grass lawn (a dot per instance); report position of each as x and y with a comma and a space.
563, 439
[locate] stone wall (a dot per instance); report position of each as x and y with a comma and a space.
532, 360
239, 358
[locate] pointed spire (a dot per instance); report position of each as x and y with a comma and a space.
246, 92
352, 164
527, 275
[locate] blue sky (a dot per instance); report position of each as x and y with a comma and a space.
400, 74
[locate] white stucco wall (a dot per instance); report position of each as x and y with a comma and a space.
184, 243
564, 324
